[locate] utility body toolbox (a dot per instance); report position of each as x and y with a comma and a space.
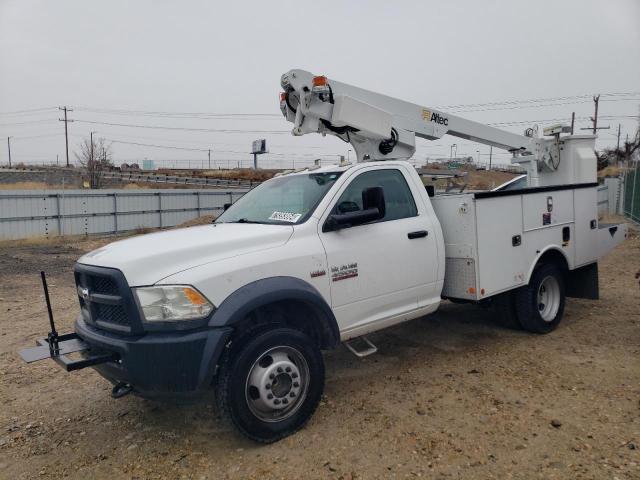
493, 239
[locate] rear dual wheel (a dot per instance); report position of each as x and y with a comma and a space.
537, 307
540, 305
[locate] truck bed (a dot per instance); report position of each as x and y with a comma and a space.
493, 240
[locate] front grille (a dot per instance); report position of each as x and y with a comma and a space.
111, 314
103, 285
106, 300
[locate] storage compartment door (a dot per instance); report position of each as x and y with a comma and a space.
501, 244
586, 223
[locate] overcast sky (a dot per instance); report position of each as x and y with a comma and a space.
227, 58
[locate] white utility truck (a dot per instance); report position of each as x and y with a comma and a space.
323, 255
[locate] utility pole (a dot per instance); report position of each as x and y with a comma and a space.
9, 147
209, 159
91, 152
618, 144
490, 155
66, 133
573, 121
594, 119
91, 167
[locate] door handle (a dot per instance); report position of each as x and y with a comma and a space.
418, 234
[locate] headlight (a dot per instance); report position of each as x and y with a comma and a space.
166, 303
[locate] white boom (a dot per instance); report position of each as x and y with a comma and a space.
380, 127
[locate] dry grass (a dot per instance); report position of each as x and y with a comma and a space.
486, 180
610, 172
100, 239
31, 186
475, 179
203, 220
235, 174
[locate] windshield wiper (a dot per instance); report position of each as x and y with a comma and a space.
244, 220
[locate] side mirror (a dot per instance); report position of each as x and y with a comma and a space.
226, 206
374, 209
431, 190
373, 197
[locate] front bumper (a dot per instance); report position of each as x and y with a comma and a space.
167, 364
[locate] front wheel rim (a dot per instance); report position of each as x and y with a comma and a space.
277, 384
548, 298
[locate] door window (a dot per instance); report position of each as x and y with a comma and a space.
397, 195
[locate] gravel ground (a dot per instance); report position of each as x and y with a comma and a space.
447, 396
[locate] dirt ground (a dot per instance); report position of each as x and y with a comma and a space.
451, 396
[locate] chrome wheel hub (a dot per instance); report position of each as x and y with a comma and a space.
549, 298
277, 384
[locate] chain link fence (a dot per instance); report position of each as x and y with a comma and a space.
632, 193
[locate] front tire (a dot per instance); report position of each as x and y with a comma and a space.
540, 305
270, 384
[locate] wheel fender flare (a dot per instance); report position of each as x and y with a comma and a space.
549, 248
247, 298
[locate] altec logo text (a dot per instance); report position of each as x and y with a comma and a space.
434, 117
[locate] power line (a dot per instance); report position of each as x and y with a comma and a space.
157, 146
28, 122
542, 105
197, 115
28, 112
187, 129
523, 122
173, 147
578, 99
36, 136
215, 150
205, 145
536, 100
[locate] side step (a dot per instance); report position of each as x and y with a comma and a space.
367, 349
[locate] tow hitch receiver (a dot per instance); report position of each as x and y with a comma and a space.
58, 347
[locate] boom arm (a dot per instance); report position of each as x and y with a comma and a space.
378, 126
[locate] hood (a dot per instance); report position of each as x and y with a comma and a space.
147, 259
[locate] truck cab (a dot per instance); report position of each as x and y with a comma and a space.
330, 253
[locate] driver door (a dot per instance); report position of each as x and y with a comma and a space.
379, 270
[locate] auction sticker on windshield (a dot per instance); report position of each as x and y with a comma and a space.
285, 217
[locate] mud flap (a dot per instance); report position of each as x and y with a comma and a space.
583, 282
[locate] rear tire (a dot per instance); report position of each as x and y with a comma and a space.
270, 384
540, 305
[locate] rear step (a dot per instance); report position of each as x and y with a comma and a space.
369, 348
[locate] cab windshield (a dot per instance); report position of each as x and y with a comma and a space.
286, 200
